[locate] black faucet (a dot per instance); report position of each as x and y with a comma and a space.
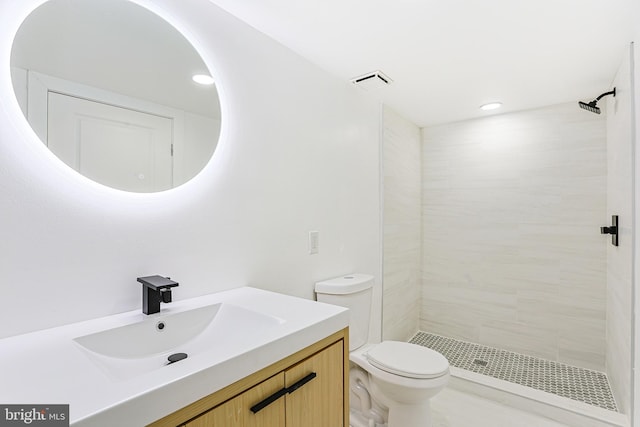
155, 289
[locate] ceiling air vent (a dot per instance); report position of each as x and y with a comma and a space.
373, 80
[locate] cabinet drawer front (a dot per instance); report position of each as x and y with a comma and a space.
237, 411
318, 401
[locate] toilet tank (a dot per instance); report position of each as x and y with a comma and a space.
353, 292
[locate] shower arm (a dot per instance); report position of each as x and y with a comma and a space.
613, 92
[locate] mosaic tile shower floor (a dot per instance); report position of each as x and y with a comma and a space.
580, 384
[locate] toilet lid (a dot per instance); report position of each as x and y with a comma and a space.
408, 360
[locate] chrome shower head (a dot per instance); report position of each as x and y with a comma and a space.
593, 105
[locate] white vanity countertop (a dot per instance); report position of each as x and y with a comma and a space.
49, 367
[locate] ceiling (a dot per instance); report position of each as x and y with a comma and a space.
446, 58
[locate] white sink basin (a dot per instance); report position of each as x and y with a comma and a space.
138, 348
113, 370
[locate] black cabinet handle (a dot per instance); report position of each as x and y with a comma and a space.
278, 394
302, 382
268, 401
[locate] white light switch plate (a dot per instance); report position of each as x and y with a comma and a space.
314, 242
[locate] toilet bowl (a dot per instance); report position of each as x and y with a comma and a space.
391, 382
404, 389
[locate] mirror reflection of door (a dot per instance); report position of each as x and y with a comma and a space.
116, 146
116, 53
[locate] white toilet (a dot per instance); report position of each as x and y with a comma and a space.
390, 382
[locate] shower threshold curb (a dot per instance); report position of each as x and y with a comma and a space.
561, 409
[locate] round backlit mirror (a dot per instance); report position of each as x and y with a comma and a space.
110, 88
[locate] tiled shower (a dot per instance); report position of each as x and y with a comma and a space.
512, 252
491, 241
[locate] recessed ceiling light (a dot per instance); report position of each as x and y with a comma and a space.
203, 79
491, 106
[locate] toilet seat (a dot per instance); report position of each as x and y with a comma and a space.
407, 360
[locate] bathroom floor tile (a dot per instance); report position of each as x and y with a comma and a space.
480, 412
575, 383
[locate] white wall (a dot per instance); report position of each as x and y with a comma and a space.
512, 252
402, 226
299, 151
620, 258
199, 131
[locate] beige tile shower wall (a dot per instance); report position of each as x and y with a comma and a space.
620, 258
635, 421
512, 252
402, 237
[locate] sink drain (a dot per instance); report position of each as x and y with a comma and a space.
176, 357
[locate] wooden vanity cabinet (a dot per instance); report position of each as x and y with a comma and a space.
306, 389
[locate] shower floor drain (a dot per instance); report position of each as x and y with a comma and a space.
580, 384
